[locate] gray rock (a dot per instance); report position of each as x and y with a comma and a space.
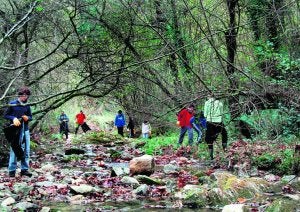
288, 178
22, 188
44, 184
169, 169
120, 171
141, 190
8, 201
130, 180
82, 189
235, 208
26, 206
45, 209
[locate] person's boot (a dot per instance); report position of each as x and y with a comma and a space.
199, 141
211, 154
12, 173
25, 173
224, 145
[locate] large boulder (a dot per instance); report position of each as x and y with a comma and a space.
143, 165
224, 189
230, 188
193, 196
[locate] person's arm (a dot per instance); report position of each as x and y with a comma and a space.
205, 109
192, 120
29, 114
8, 114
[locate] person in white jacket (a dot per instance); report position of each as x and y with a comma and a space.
146, 129
213, 112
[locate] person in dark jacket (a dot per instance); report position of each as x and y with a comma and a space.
120, 122
19, 110
63, 120
130, 127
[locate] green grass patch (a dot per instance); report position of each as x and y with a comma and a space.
154, 145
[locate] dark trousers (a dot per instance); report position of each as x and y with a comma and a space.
121, 131
131, 131
64, 128
77, 127
212, 132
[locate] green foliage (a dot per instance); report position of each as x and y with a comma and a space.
274, 123
291, 122
33, 145
279, 163
56, 136
287, 161
73, 157
39, 9
265, 161
204, 154
154, 145
264, 50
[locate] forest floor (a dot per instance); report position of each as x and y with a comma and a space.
80, 174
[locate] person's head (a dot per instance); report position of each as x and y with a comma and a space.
62, 112
23, 94
120, 112
81, 111
191, 107
145, 121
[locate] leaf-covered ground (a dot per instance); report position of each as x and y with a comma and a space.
57, 172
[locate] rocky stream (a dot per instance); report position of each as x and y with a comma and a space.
113, 174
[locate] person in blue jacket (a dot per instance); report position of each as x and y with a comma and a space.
199, 124
19, 114
120, 122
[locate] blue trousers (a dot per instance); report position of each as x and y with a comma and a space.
12, 165
199, 132
183, 130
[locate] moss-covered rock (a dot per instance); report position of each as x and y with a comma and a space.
143, 179
283, 205
205, 180
229, 188
194, 196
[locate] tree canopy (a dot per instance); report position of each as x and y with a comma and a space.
153, 57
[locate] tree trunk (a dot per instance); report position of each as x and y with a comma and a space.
231, 45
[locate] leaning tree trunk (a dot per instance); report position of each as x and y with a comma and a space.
231, 46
